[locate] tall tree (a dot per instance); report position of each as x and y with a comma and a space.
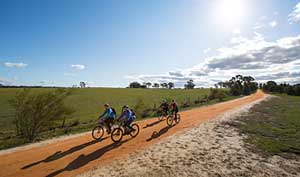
148, 84
189, 84
164, 85
155, 85
171, 85
82, 84
135, 85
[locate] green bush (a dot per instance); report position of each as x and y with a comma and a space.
35, 113
219, 94
140, 108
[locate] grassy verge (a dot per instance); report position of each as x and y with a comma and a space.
273, 126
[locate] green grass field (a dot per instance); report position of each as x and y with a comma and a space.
88, 104
274, 126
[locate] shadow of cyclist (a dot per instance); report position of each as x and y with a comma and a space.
82, 160
156, 134
59, 154
152, 124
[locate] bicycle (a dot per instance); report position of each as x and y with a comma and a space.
171, 119
98, 131
120, 131
162, 114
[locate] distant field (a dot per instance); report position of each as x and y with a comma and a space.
88, 104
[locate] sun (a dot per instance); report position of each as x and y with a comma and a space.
230, 12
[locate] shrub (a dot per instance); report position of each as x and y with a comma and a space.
140, 108
221, 94
217, 94
37, 112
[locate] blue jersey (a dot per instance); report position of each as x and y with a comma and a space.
108, 113
127, 114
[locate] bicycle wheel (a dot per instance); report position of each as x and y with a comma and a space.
178, 119
117, 135
98, 132
170, 120
135, 131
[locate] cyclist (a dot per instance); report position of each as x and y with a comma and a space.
129, 116
174, 108
164, 107
109, 116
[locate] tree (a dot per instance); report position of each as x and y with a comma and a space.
135, 85
189, 84
148, 84
35, 112
82, 84
241, 85
164, 85
272, 86
171, 85
155, 85
221, 84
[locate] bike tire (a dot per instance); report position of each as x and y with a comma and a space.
97, 132
117, 135
170, 120
178, 119
136, 130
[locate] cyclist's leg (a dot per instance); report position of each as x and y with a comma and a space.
176, 111
110, 122
166, 112
107, 124
127, 124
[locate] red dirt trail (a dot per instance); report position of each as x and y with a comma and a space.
75, 155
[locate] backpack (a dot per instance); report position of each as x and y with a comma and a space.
114, 111
133, 113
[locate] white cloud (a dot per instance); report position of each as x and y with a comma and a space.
205, 51
15, 65
257, 26
6, 81
278, 60
78, 66
273, 23
295, 15
236, 31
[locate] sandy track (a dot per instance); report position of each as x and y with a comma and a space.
76, 155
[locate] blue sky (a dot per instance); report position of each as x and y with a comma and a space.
110, 43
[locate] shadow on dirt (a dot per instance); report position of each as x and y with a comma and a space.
82, 160
152, 124
59, 154
162, 131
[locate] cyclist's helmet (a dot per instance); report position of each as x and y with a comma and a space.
106, 105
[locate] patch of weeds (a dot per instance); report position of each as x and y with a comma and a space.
273, 127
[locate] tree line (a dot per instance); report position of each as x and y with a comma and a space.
239, 85
273, 87
167, 85
245, 85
